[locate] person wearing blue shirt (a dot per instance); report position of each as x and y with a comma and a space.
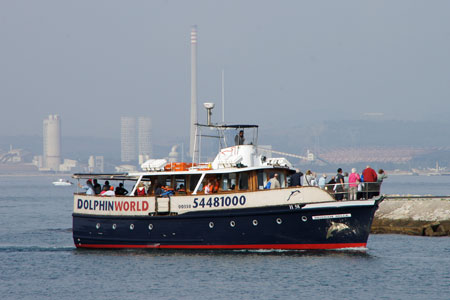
88, 187
323, 181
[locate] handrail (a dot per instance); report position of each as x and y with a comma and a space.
364, 190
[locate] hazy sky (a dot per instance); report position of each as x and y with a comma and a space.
284, 61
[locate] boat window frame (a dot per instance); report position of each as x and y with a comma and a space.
239, 179
199, 183
136, 185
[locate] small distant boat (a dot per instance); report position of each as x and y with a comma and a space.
62, 182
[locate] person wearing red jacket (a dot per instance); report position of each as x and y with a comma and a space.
369, 176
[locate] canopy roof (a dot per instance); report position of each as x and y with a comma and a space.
225, 126
111, 176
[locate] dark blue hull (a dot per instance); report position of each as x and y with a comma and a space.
277, 227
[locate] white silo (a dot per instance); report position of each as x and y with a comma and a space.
52, 142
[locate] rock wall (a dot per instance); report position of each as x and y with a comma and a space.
414, 216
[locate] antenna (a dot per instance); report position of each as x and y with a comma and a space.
223, 96
209, 106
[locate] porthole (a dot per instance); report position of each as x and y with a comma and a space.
211, 224
97, 226
255, 222
304, 218
150, 226
131, 226
232, 223
114, 226
279, 221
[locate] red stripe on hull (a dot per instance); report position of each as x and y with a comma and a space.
235, 247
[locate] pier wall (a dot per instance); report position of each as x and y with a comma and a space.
413, 215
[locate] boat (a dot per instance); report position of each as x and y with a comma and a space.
62, 182
180, 210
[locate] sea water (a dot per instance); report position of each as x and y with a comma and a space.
39, 261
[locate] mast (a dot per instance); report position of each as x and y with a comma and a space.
223, 96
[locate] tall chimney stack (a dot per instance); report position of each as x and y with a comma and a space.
193, 88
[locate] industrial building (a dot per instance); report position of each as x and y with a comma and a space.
128, 139
52, 143
136, 141
144, 139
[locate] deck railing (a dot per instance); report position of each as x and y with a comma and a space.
347, 191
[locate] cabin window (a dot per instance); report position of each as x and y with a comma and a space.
163, 180
281, 177
193, 182
243, 181
180, 183
229, 181
262, 179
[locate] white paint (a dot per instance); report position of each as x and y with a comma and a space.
184, 204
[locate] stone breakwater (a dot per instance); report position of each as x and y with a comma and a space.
413, 215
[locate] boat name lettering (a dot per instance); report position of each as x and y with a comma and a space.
106, 205
295, 206
339, 216
219, 201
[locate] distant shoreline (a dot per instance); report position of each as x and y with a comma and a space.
36, 175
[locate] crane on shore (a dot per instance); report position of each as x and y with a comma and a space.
310, 157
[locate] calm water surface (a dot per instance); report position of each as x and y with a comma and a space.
38, 260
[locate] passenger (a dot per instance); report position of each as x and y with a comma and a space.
97, 187
158, 190
314, 179
370, 179
360, 193
295, 179
309, 179
209, 187
147, 186
331, 184
353, 181
140, 189
104, 190
381, 176
110, 192
216, 185
154, 187
274, 183
181, 189
167, 191
107, 185
88, 187
323, 181
120, 190
239, 139
339, 187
